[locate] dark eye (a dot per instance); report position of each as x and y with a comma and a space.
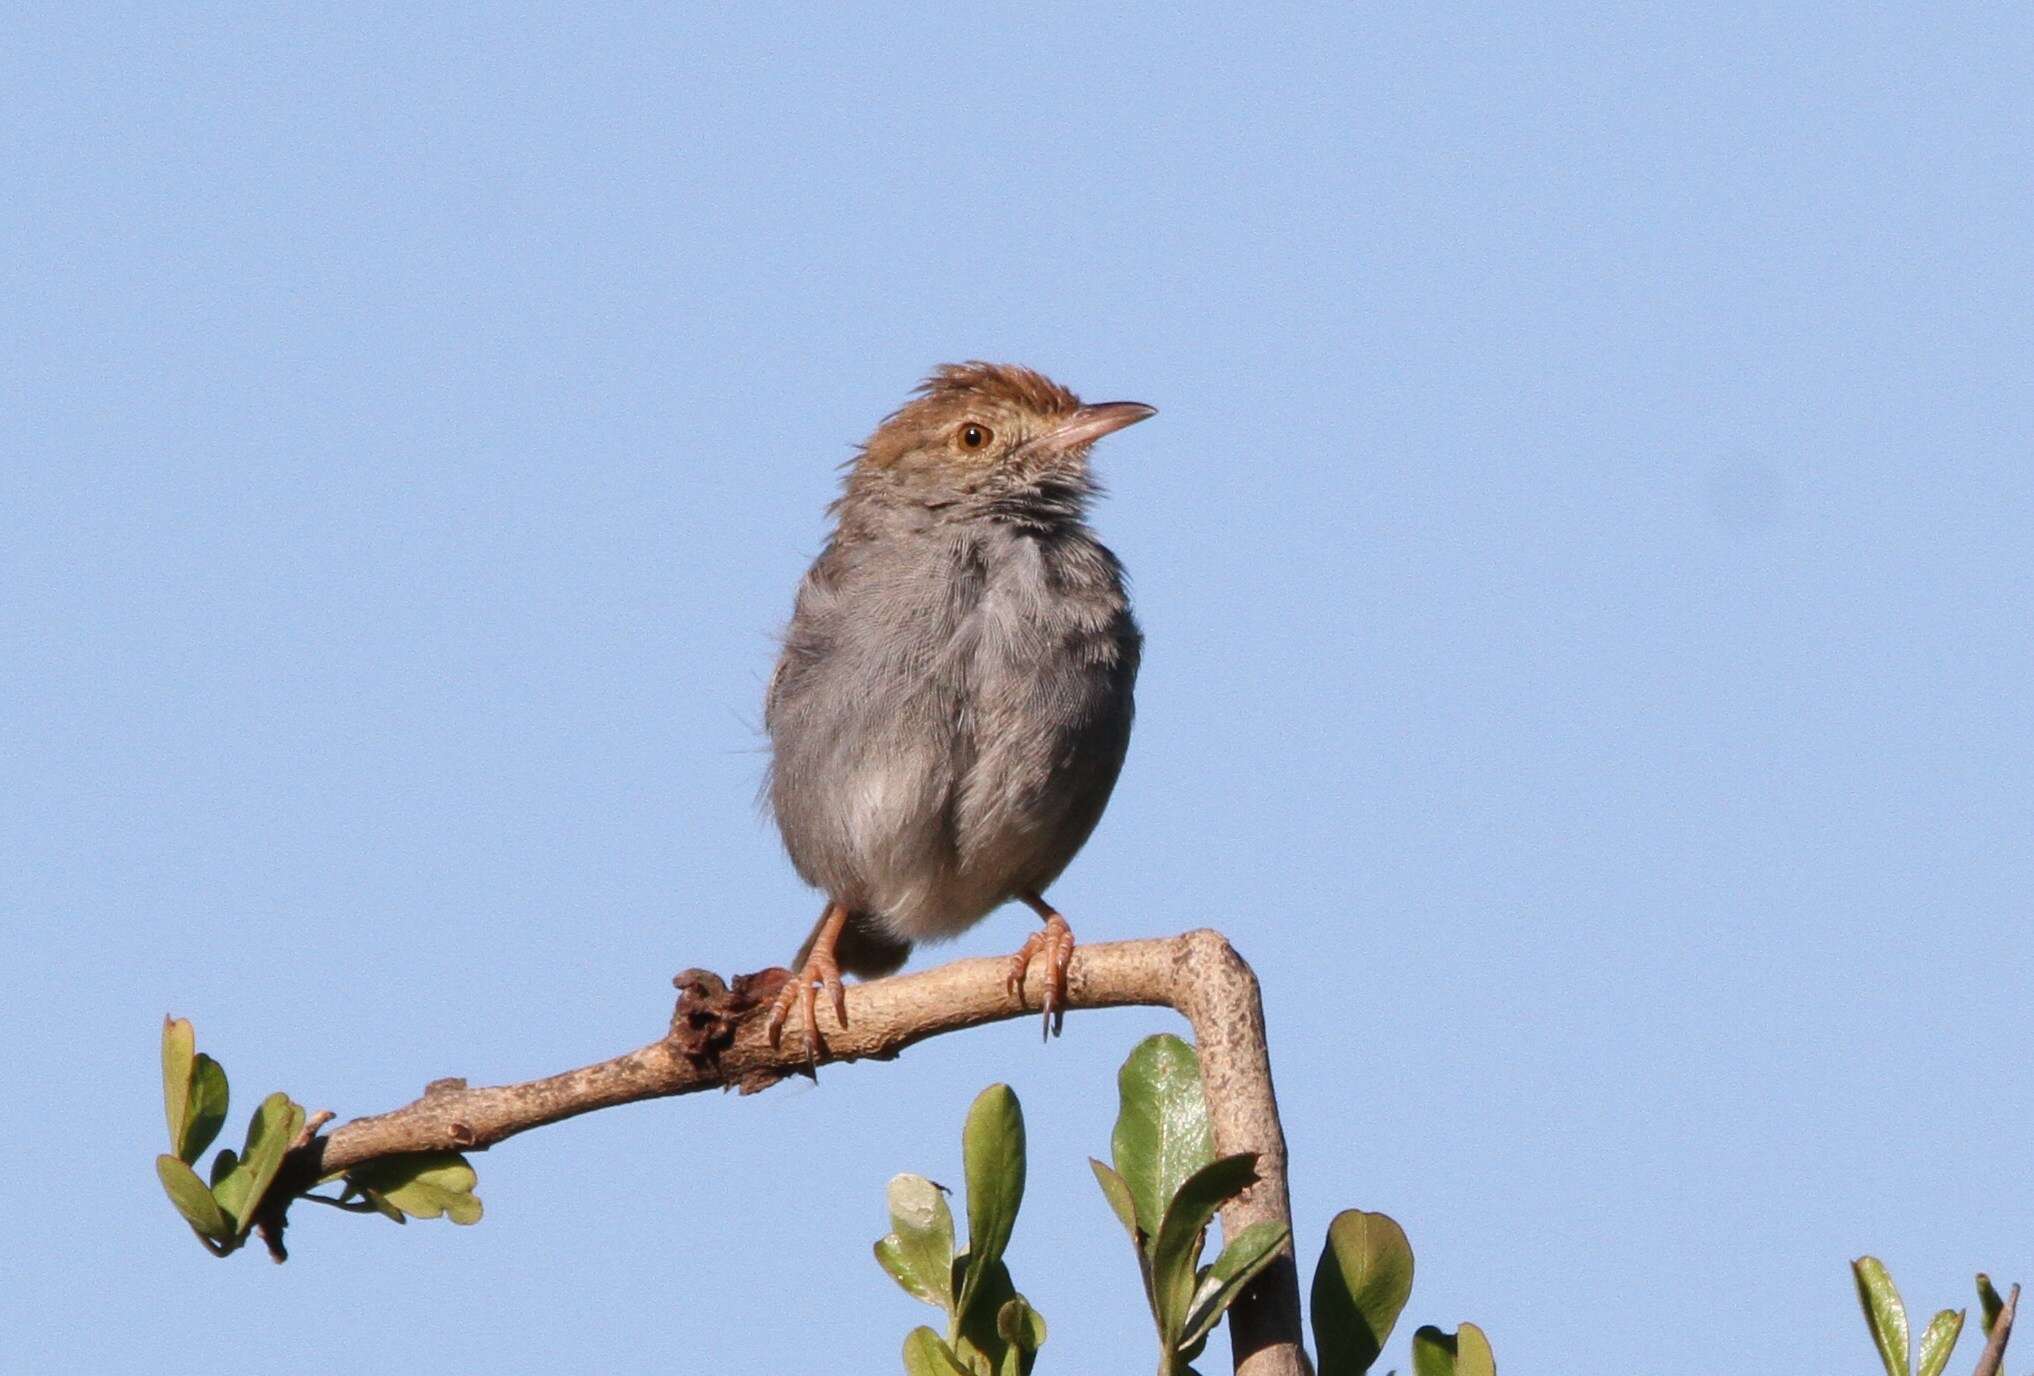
973, 436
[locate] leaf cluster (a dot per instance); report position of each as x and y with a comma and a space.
1166, 1185
237, 1194
1886, 1316
992, 1330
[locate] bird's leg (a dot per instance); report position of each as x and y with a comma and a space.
1056, 940
820, 969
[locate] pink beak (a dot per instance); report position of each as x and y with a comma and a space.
1090, 423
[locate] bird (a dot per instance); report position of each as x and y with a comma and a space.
952, 701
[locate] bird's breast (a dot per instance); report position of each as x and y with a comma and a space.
957, 724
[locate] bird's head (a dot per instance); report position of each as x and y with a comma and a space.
988, 435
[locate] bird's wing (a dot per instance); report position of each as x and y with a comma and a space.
804, 635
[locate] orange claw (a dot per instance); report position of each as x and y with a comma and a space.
1056, 940
821, 970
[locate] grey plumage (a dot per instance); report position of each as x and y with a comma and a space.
954, 697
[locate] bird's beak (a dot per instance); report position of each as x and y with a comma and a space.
1090, 423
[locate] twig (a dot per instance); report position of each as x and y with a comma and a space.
310, 1128
1198, 973
2002, 1329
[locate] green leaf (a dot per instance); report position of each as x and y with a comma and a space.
1118, 1195
977, 1340
179, 1044
1246, 1254
1162, 1134
205, 1113
193, 1092
889, 1254
192, 1199
383, 1207
1463, 1353
1433, 1352
926, 1354
275, 1125
1989, 1303
1360, 1288
232, 1183
1939, 1341
423, 1184
1023, 1329
992, 1153
918, 1252
1473, 1356
1178, 1247
1018, 1323
1884, 1312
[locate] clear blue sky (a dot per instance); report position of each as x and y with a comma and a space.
1586, 551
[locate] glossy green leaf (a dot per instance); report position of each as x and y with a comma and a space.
424, 1184
205, 1111
1162, 1134
1989, 1303
889, 1254
1360, 1287
918, 1252
223, 1165
1118, 1194
1462, 1353
926, 1354
1178, 1247
1885, 1314
179, 1046
1939, 1341
992, 1153
192, 1199
1245, 1255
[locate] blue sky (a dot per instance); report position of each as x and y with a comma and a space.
1584, 550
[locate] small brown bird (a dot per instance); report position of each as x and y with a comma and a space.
953, 700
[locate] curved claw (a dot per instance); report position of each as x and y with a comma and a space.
821, 971
1056, 940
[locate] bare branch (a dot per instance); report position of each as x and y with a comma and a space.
1198, 973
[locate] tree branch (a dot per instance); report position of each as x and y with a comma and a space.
1199, 974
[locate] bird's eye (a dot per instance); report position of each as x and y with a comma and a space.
973, 436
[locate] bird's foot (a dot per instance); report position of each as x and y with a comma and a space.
1056, 941
821, 971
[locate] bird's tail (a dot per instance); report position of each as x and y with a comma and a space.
864, 948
